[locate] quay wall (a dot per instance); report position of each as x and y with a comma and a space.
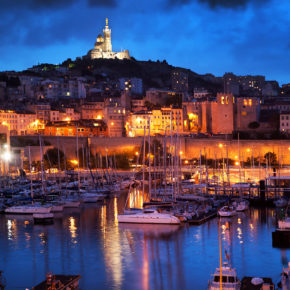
189, 147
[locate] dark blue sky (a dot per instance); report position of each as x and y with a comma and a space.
206, 36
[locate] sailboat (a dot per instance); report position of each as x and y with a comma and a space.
148, 215
33, 207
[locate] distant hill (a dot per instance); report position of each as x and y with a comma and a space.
155, 74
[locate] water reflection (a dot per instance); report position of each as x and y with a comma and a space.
11, 229
112, 247
156, 250
73, 230
135, 198
90, 242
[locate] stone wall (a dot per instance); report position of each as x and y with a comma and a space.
190, 147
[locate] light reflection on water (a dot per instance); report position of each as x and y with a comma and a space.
89, 241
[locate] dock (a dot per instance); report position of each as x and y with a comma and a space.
204, 218
281, 238
59, 282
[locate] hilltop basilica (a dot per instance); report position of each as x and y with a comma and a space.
103, 47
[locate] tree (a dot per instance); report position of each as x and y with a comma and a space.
53, 158
270, 158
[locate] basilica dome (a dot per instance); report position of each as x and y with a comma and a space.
100, 38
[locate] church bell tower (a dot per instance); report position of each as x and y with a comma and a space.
107, 45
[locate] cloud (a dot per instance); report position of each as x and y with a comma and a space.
14, 5
36, 5
106, 3
213, 4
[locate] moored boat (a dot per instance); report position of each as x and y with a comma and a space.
148, 216
227, 278
28, 209
226, 211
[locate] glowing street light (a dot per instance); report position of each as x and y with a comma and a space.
6, 156
221, 145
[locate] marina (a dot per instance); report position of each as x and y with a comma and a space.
89, 241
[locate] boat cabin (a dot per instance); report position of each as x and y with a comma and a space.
229, 278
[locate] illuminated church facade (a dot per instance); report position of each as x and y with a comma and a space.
103, 47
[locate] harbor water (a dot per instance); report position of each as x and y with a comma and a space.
88, 241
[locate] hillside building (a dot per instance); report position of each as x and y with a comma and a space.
103, 47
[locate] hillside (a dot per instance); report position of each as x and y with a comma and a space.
155, 74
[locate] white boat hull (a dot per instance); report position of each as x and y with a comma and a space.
27, 209
140, 218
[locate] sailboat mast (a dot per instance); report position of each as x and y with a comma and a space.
41, 166
31, 189
78, 159
220, 252
149, 160
144, 164
171, 154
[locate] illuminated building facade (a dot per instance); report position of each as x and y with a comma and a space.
21, 123
84, 128
218, 117
103, 46
92, 110
159, 120
285, 122
42, 111
247, 112
191, 115
114, 116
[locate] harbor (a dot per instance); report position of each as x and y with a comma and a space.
89, 241
148, 227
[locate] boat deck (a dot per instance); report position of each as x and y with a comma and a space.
247, 285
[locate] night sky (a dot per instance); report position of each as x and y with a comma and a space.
206, 36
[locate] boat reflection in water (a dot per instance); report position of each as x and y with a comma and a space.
156, 254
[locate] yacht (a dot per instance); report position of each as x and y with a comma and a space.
148, 216
226, 211
230, 281
28, 209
